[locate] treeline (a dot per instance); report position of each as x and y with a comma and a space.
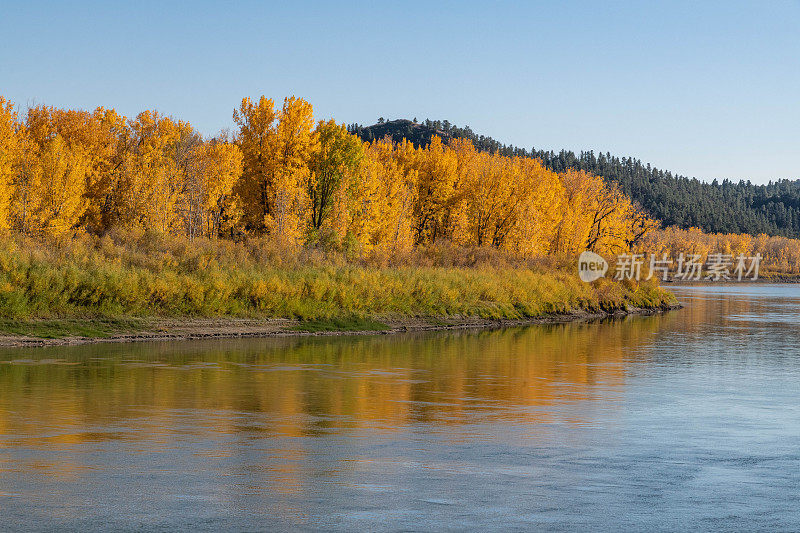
726, 207
780, 255
284, 177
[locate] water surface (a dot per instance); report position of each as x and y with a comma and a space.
689, 420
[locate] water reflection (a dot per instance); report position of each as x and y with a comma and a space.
556, 425
321, 384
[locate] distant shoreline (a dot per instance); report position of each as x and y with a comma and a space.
780, 279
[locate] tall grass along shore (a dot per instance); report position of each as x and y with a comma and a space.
130, 275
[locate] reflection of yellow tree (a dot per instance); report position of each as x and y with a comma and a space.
296, 388
362, 380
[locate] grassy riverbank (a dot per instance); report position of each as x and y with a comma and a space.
118, 283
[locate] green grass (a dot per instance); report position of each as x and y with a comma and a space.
340, 324
79, 327
165, 277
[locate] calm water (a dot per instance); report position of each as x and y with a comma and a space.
688, 421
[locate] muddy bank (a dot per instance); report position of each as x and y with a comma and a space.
224, 328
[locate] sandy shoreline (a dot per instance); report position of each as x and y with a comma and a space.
232, 328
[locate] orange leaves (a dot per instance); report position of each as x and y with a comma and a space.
297, 182
482, 199
780, 254
539, 210
50, 199
151, 178
10, 151
598, 217
436, 190
276, 148
207, 205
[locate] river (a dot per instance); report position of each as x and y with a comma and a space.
684, 421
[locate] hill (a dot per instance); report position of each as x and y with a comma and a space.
726, 207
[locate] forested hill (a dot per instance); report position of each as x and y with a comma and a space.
727, 207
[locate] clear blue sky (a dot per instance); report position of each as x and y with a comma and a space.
706, 89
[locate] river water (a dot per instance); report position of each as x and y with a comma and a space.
686, 421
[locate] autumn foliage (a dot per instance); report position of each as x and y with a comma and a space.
284, 177
780, 255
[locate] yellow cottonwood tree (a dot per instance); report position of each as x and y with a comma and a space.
600, 218
296, 141
437, 167
151, 175
333, 165
299, 183
356, 209
212, 171
10, 146
493, 199
97, 135
50, 199
539, 213
257, 140
276, 150
387, 198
